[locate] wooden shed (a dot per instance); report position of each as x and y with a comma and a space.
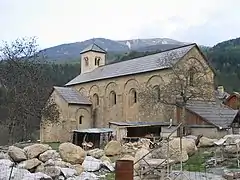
98, 136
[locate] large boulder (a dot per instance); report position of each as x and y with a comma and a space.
49, 154
78, 167
140, 155
17, 154
105, 158
29, 164
36, 149
206, 142
16, 173
96, 153
232, 138
72, 153
187, 144
231, 149
113, 148
188, 149
6, 162
36, 176
91, 164
88, 176
68, 172
127, 157
58, 163
52, 171
5, 156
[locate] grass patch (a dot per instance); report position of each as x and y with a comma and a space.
109, 176
54, 145
196, 162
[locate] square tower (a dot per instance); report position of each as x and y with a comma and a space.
92, 57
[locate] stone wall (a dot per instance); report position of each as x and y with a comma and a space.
124, 109
210, 132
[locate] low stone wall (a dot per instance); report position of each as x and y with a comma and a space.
210, 132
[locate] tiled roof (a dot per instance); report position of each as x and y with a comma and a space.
72, 96
93, 47
216, 114
148, 63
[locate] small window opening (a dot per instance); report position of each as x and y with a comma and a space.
97, 61
113, 98
80, 120
86, 61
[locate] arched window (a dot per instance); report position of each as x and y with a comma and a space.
80, 120
191, 77
97, 61
95, 100
86, 61
133, 96
156, 91
113, 98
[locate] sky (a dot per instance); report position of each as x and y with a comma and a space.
55, 22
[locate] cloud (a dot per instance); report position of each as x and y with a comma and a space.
60, 21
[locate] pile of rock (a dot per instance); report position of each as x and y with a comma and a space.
133, 147
188, 149
40, 161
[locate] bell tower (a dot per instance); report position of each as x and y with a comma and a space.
92, 57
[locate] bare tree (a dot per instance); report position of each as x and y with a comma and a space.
26, 85
183, 81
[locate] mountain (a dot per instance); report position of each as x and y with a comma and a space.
135, 44
70, 52
225, 57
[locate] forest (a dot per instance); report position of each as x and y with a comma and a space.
27, 80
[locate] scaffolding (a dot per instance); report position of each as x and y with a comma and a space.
160, 168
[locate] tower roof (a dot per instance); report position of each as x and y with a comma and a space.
93, 47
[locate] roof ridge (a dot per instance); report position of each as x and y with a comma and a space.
99, 46
120, 71
150, 54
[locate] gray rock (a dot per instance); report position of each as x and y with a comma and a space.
68, 172
91, 164
49, 154
29, 164
113, 148
17, 174
206, 142
72, 153
96, 153
36, 176
36, 149
52, 171
87, 176
6, 162
108, 165
4, 156
59, 163
16, 154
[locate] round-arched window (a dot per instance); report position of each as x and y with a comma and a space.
113, 98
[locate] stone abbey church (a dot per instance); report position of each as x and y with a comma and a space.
104, 93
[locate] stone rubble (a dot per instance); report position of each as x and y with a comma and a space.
71, 162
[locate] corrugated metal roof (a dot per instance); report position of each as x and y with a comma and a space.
72, 96
140, 123
216, 114
148, 63
93, 47
94, 130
